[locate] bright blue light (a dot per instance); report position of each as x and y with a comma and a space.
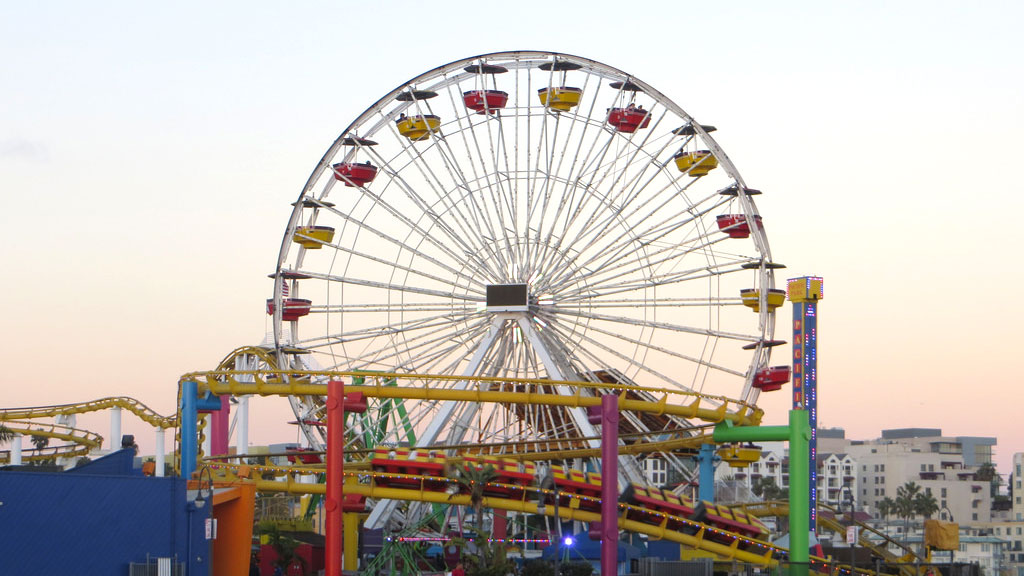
568, 541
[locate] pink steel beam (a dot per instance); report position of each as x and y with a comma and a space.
609, 484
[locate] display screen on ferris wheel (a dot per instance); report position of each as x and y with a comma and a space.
525, 215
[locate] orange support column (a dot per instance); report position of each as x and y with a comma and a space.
233, 511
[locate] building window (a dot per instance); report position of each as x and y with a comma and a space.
657, 471
943, 494
883, 467
923, 468
974, 516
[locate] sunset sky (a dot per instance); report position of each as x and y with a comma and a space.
149, 154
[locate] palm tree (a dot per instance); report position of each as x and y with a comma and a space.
474, 480
925, 504
905, 509
886, 507
490, 558
6, 434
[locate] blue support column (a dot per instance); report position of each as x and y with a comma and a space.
189, 433
706, 460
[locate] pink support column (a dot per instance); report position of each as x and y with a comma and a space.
219, 426
609, 485
335, 473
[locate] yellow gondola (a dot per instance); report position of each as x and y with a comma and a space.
417, 128
561, 98
752, 298
313, 237
739, 456
697, 163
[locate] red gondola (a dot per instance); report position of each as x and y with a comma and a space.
353, 174
485, 101
629, 119
293, 309
771, 378
736, 225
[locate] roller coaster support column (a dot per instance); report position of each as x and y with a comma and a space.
609, 484
242, 440
798, 433
16, 450
159, 472
220, 424
115, 428
706, 462
350, 524
333, 504
335, 473
191, 404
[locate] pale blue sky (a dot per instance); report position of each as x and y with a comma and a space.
149, 153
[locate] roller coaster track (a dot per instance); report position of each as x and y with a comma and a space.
24, 421
879, 545
752, 551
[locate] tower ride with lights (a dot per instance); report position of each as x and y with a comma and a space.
804, 293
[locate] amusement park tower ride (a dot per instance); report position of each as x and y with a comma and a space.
804, 293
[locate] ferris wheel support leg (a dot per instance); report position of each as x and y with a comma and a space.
579, 416
115, 428
159, 456
16, 450
384, 509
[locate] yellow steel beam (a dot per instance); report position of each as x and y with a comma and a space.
297, 383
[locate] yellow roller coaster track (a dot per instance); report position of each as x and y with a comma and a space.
24, 421
298, 383
870, 538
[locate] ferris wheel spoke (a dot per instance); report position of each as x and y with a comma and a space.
364, 225
631, 362
392, 287
431, 323
661, 349
616, 249
493, 182
627, 265
463, 239
624, 320
619, 275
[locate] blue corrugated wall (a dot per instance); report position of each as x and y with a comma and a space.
83, 524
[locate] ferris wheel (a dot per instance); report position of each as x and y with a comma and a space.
525, 215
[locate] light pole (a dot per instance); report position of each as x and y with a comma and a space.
851, 524
548, 482
197, 504
949, 515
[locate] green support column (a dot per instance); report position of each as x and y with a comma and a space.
798, 434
